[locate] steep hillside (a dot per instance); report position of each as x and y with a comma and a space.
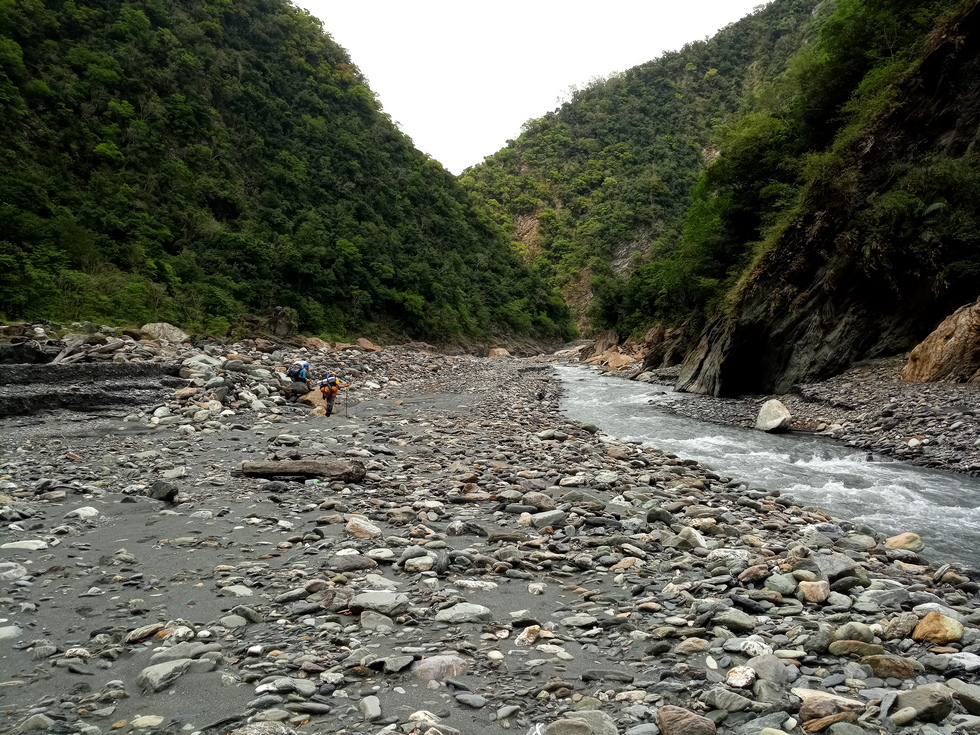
203, 162
607, 177
884, 240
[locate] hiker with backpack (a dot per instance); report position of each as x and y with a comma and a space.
299, 372
329, 388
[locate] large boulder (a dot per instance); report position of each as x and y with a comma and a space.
951, 352
616, 360
774, 417
165, 331
604, 342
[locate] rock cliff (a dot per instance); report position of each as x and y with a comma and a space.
817, 301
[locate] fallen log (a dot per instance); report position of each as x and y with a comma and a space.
335, 469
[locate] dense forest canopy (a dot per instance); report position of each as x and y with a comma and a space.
608, 176
801, 127
201, 162
650, 196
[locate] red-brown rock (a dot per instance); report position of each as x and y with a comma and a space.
679, 721
951, 352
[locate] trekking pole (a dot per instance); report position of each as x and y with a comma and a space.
346, 410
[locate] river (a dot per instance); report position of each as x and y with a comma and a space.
942, 507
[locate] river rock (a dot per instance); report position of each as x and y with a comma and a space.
931, 702
887, 666
908, 541
157, 677
464, 612
439, 667
384, 602
937, 628
774, 417
818, 704
967, 694
678, 721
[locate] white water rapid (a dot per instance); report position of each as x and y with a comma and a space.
942, 507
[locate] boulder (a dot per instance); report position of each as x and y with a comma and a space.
931, 702
908, 541
315, 343
367, 345
604, 342
498, 352
655, 335
164, 331
616, 360
951, 352
313, 399
937, 628
774, 417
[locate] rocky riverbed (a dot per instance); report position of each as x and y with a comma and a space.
869, 407
495, 568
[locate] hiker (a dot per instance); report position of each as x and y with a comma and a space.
299, 372
329, 388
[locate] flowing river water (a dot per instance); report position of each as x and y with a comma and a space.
942, 507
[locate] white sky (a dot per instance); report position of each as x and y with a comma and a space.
460, 77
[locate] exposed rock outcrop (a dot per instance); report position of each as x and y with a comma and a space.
817, 302
951, 353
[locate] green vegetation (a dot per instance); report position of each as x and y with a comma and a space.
655, 192
202, 162
606, 179
801, 128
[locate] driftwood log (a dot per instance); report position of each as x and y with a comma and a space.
75, 351
335, 469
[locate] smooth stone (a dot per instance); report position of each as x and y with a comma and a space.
9, 632
146, 721
464, 612
370, 708
160, 676
439, 667
385, 602
26, 545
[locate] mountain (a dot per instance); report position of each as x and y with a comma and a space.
204, 162
603, 184
881, 239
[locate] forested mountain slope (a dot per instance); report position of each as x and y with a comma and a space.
608, 176
883, 239
202, 161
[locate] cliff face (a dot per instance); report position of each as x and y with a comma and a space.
821, 299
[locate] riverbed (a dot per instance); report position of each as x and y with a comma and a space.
887, 495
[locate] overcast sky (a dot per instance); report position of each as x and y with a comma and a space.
460, 77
